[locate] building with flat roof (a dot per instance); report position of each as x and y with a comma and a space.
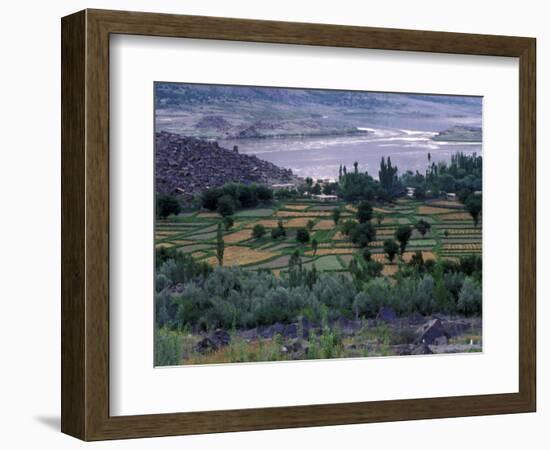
325, 197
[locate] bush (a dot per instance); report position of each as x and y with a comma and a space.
167, 348
278, 232
302, 235
242, 195
166, 205
422, 226
258, 231
469, 299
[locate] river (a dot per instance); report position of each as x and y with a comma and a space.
320, 157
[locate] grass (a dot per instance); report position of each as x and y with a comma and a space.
258, 212
329, 263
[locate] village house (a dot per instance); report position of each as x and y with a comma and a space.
325, 198
283, 186
410, 192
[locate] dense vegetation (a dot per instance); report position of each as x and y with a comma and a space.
234, 196
235, 298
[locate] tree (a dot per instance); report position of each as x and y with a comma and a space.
347, 226
403, 234
387, 176
474, 206
336, 213
419, 193
316, 189
209, 199
362, 233
309, 182
417, 260
228, 222
364, 212
391, 248
314, 245
258, 231
310, 224
379, 218
302, 235
279, 231
246, 196
166, 205
422, 226
329, 188
264, 194
220, 245
226, 205
366, 254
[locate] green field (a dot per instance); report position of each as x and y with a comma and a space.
451, 234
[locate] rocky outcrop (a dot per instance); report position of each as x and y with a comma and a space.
186, 166
215, 341
430, 332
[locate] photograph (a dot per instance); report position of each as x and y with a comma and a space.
298, 224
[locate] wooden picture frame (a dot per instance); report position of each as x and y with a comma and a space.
85, 224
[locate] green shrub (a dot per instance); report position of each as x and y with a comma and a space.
302, 235
469, 299
258, 231
167, 348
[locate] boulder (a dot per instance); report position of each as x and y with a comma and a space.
386, 314
456, 327
221, 338
422, 349
206, 345
213, 342
250, 334
347, 327
441, 340
272, 330
290, 331
430, 331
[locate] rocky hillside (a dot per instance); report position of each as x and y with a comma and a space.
187, 166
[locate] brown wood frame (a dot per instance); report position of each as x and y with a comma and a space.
85, 224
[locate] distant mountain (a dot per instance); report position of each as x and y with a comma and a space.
179, 94
237, 112
186, 166
460, 133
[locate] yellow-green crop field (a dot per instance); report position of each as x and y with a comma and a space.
452, 235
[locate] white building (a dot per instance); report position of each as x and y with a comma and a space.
410, 192
325, 198
283, 186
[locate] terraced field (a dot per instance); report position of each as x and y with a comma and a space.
452, 234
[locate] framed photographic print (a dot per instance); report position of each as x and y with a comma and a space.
270, 224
